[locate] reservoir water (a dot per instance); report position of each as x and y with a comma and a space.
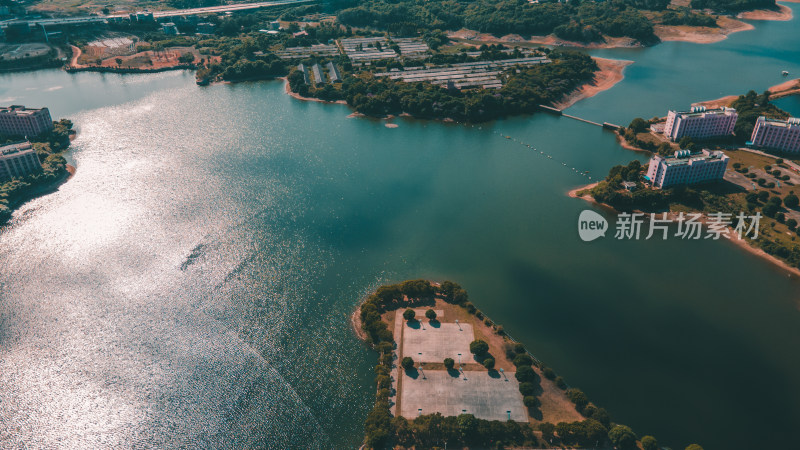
191, 285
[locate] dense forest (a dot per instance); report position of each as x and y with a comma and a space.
575, 20
733, 5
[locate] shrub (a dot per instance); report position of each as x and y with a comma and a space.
449, 363
409, 314
694, 447
549, 373
486, 322
519, 348
430, 314
561, 383
407, 363
500, 330
478, 347
530, 401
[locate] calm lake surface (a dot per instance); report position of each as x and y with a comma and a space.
191, 285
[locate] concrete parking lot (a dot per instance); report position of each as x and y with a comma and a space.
486, 395
426, 342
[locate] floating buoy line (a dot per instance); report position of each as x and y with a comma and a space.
584, 173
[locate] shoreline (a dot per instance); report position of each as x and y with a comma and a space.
40, 191
297, 96
783, 13
611, 72
740, 243
785, 89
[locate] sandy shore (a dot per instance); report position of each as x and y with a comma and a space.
783, 13
307, 99
788, 87
355, 322
611, 72
702, 35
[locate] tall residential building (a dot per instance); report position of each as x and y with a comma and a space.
17, 120
781, 135
700, 123
687, 168
17, 160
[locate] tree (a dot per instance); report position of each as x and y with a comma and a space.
530, 401
478, 347
527, 389
547, 430
430, 314
449, 363
409, 314
523, 359
488, 363
649, 443
638, 125
407, 363
685, 142
770, 209
791, 200
525, 374
791, 223
118, 61
763, 195
577, 397
622, 437
694, 447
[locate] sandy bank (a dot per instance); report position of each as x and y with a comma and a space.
783, 13
702, 35
788, 87
610, 73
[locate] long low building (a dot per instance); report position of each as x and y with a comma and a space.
17, 120
17, 160
482, 74
687, 168
700, 123
774, 134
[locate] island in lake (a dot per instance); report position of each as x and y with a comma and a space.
447, 373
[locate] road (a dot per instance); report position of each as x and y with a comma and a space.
158, 14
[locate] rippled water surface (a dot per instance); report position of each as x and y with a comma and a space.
191, 285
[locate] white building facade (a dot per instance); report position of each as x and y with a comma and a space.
17, 160
700, 123
781, 135
687, 168
17, 120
